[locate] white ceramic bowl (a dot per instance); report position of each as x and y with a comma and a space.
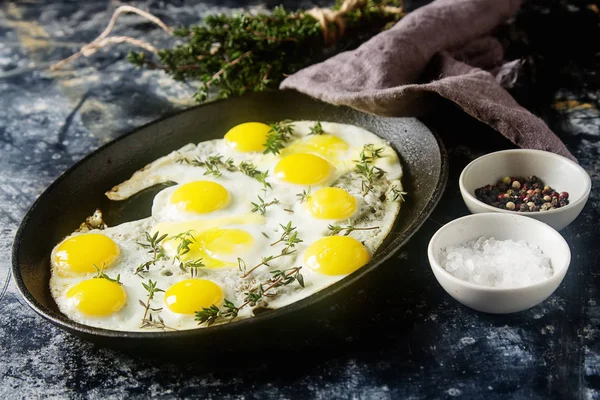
559, 172
502, 227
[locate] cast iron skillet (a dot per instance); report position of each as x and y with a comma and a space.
75, 195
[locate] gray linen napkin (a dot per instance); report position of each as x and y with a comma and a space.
443, 48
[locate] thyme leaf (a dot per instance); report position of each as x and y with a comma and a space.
241, 265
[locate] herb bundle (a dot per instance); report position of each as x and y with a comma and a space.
235, 54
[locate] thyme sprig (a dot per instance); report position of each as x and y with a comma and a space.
261, 205
316, 129
370, 174
336, 229
213, 164
101, 275
370, 153
210, 315
152, 243
397, 194
248, 168
148, 319
280, 133
278, 278
289, 237
186, 240
304, 196
191, 266
151, 289
262, 178
365, 167
286, 251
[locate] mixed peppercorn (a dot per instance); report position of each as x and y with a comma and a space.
522, 194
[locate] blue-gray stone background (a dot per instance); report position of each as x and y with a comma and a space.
50, 120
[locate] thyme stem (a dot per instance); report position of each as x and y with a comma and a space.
335, 229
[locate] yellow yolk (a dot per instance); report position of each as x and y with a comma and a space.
191, 295
200, 197
331, 203
303, 169
198, 253
207, 233
249, 136
80, 253
97, 297
217, 248
219, 242
327, 146
336, 255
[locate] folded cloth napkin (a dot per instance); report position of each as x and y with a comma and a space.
442, 48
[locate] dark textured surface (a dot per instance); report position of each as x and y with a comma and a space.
415, 342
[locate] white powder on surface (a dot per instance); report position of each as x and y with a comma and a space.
497, 263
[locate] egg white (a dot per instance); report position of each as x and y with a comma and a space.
371, 212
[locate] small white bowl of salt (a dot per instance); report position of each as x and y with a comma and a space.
498, 263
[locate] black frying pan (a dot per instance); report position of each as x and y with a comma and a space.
75, 195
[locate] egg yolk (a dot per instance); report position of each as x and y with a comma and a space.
97, 297
218, 248
198, 253
336, 255
225, 241
331, 203
200, 197
80, 253
327, 146
303, 169
247, 137
191, 295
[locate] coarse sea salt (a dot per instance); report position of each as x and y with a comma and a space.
497, 263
